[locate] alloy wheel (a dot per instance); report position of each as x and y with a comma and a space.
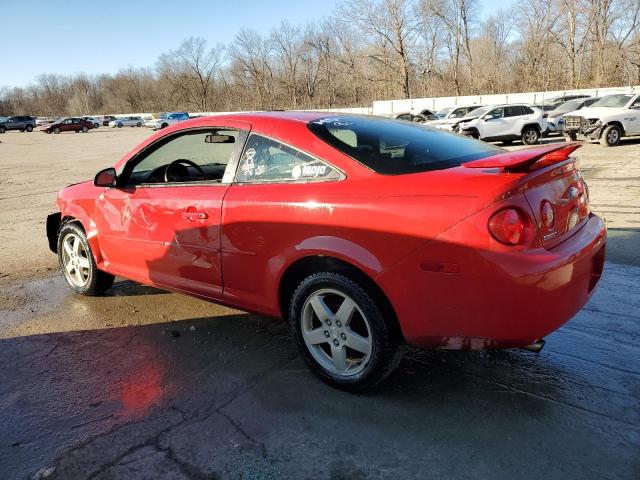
336, 332
75, 261
613, 136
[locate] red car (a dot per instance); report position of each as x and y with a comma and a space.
361, 232
72, 124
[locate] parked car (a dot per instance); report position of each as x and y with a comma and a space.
95, 120
607, 120
166, 119
443, 112
126, 122
106, 119
555, 120
68, 124
506, 123
20, 122
299, 209
453, 117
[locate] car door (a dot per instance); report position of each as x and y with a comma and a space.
493, 124
259, 223
166, 229
634, 117
514, 117
66, 125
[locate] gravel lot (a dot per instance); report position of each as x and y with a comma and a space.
147, 384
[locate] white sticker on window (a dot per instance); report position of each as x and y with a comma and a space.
296, 172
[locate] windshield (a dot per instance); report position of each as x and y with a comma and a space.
615, 101
477, 112
395, 147
569, 106
443, 112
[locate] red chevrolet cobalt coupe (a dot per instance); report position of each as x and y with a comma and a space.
361, 232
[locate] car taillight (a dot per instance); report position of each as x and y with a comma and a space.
547, 214
507, 226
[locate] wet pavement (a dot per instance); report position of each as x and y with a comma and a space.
227, 396
143, 384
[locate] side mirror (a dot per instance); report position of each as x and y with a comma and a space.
106, 178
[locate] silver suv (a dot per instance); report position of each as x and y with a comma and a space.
21, 123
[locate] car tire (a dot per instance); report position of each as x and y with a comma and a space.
96, 125
29, 128
530, 135
570, 137
164, 125
56, 130
326, 343
3, 129
78, 264
138, 124
85, 129
119, 125
611, 136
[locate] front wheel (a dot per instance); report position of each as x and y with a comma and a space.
3, 129
119, 125
530, 136
138, 124
78, 264
341, 332
56, 130
96, 125
611, 136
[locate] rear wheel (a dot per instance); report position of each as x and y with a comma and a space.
85, 129
138, 124
611, 136
119, 125
96, 125
56, 130
342, 333
530, 135
3, 129
78, 264
29, 128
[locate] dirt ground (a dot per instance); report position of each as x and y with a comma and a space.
146, 384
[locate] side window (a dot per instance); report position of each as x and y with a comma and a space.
458, 113
527, 111
266, 160
636, 102
404, 116
209, 150
495, 113
513, 111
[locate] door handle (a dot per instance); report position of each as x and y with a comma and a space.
191, 215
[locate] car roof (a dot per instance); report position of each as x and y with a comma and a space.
260, 118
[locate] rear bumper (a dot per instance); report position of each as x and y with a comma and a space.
490, 299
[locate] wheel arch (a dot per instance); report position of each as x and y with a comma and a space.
617, 123
301, 268
534, 125
92, 237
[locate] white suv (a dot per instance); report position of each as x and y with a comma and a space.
505, 123
608, 120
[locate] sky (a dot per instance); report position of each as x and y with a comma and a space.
73, 36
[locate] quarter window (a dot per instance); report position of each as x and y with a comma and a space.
513, 111
267, 160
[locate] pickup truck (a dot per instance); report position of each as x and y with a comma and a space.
608, 120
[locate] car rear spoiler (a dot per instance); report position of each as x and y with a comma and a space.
527, 159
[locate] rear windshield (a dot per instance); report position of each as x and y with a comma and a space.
394, 147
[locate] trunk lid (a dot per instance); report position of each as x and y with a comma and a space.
551, 177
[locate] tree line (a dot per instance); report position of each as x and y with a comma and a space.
367, 50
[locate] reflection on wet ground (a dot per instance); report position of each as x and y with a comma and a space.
226, 395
